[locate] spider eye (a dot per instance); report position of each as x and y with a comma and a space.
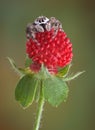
39, 20
55, 24
42, 20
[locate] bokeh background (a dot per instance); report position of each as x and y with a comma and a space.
78, 18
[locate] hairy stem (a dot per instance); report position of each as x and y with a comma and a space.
39, 109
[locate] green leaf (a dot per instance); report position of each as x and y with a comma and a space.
62, 72
55, 90
28, 61
17, 70
37, 94
25, 90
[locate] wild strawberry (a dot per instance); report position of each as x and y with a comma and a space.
49, 47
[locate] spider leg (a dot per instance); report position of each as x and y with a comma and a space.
34, 39
54, 34
30, 33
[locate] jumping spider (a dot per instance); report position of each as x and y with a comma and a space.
42, 24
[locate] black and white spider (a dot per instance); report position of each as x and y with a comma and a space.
42, 24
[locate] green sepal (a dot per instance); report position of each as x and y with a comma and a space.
43, 73
55, 90
28, 61
62, 72
72, 76
20, 71
26, 71
26, 89
16, 69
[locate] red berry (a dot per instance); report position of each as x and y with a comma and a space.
52, 52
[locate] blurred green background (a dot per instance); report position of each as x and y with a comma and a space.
78, 18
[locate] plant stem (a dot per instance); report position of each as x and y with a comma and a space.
39, 109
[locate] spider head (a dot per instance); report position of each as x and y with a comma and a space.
41, 20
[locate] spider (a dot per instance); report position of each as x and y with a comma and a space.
42, 24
